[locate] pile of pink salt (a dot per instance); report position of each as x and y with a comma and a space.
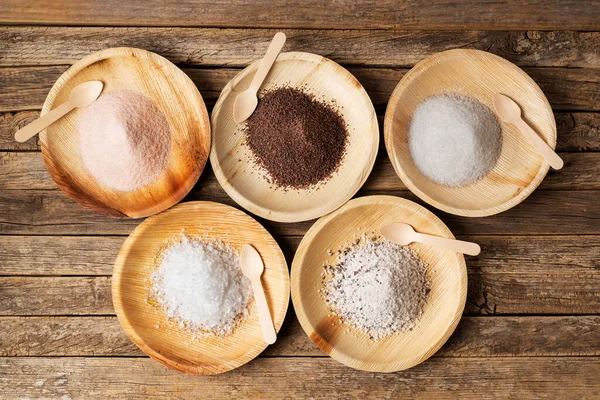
124, 140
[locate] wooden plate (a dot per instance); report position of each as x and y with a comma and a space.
171, 91
233, 162
520, 168
147, 325
446, 271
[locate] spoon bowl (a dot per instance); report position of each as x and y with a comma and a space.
252, 264
253, 267
245, 104
85, 94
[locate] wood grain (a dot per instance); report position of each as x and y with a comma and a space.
577, 131
95, 255
21, 46
421, 14
558, 212
498, 336
569, 89
55, 296
322, 378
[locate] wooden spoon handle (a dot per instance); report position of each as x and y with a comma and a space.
268, 60
460, 246
264, 316
32, 129
542, 147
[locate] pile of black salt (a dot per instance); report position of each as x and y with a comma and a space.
299, 140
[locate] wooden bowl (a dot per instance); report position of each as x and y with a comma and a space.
477, 74
147, 324
170, 90
234, 163
352, 347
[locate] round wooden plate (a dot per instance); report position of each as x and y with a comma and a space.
478, 74
352, 347
233, 162
171, 91
147, 324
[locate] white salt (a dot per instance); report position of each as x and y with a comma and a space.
378, 287
200, 286
124, 140
454, 140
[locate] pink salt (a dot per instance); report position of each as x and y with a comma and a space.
124, 140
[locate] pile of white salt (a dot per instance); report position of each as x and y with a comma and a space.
454, 140
124, 140
200, 286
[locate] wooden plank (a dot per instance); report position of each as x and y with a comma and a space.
475, 337
422, 14
55, 296
322, 378
20, 46
555, 292
10, 123
581, 172
571, 89
551, 212
576, 131
95, 255
56, 255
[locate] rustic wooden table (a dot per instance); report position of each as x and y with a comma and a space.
532, 323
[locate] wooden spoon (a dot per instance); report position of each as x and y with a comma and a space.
81, 96
253, 267
246, 102
404, 234
510, 112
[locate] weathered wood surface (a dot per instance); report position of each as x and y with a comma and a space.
532, 322
50, 212
95, 255
439, 377
510, 292
421, 14
576, 131
510, 336
20, 46
55, 296
26, 170
570, 89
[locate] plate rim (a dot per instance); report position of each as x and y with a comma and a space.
286, 216
395, 100
128, 327
296, 287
